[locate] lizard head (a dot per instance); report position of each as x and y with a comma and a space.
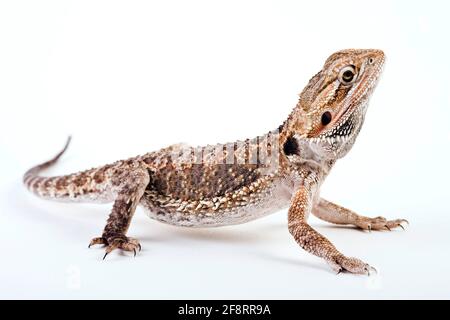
331, 108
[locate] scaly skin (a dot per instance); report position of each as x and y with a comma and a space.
237, 182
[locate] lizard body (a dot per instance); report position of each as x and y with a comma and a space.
237, 182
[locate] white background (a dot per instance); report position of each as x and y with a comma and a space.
125, 78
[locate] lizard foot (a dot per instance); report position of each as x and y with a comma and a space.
380, 223
352, 265
117, 242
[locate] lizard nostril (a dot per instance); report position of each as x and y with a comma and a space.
371, 60
326, 118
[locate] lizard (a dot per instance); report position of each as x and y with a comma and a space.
233, 183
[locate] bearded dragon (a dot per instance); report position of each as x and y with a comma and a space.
237, 182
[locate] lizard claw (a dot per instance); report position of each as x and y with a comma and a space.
403, 221
369, 268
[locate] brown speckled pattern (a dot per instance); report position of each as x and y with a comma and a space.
237, 182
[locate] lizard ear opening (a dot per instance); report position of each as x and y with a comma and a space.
290, 146
326, 118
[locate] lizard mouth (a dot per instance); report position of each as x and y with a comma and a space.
339, 134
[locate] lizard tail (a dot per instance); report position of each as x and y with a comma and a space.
31, 178
86, 186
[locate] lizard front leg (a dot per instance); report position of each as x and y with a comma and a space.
331, 212
130, 186
312, 241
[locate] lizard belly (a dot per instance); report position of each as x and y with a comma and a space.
218, 212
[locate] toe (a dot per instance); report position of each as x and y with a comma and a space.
380, 223
122, 243
398, 223
111, 247
98, 240
335, 266
130, 245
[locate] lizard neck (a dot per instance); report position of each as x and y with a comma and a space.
297, 152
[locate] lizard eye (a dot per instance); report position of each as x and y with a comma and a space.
347, 75
326, 118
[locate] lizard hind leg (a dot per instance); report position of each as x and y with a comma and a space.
130, 185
